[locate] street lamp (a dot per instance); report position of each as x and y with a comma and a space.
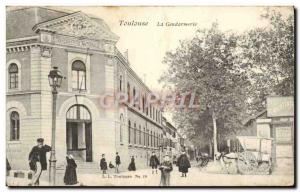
55, 78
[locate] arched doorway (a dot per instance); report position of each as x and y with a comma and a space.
79, 133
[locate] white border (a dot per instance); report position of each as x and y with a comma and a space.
4, 3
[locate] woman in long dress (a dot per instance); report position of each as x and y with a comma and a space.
70, 177
183, 164
131, 166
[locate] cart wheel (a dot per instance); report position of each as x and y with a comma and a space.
247, 163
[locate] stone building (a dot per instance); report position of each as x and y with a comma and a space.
84, 50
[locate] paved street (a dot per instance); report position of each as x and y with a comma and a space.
195, 177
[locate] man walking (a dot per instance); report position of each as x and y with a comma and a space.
38, 160
154, 162
118, 162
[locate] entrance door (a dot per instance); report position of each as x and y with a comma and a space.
88, 141
79, 132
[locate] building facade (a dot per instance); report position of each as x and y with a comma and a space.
90, 121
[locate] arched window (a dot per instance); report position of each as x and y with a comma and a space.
129, 127
13, 76
121, 127
78, 75
14, 126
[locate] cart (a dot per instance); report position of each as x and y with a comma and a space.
254, 155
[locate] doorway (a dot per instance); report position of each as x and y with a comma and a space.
79, 133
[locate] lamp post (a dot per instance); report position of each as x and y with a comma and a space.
55, 79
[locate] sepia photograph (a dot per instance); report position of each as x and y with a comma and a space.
150, 96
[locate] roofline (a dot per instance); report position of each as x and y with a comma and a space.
254, 116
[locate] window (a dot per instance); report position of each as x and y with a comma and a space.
78, 75
134, 135
151, 143
140, 135
148, 139
13, 76
129, 127
121, 127
143, 104
14, 126
121, 83
128, 92
144, 136
134, 100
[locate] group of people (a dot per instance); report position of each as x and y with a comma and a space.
104, 167
166, 167
38, 163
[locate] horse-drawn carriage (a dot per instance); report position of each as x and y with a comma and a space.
254, 155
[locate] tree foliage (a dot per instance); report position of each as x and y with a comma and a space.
231, 74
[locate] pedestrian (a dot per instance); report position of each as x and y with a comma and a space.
103, 164
118, 162
38, 160
8, 167
70, 177
183, 164
131, 166
165, 168
154, 162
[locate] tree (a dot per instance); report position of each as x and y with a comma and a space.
268, 54
207, 65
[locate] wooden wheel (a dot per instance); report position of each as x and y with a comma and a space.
247, 163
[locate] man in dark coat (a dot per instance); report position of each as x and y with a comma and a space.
38, 160
70, 177
103, 164
183, 164
118, 162
154, 162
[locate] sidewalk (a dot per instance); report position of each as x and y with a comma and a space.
144, 177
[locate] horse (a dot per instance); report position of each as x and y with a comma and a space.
226, 160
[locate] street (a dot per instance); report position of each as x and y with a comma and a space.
144, 177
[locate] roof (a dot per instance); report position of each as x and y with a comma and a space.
254, 116
15, 17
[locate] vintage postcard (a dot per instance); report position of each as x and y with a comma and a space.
150, 96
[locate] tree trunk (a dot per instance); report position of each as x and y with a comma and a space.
210, 148
215, 134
